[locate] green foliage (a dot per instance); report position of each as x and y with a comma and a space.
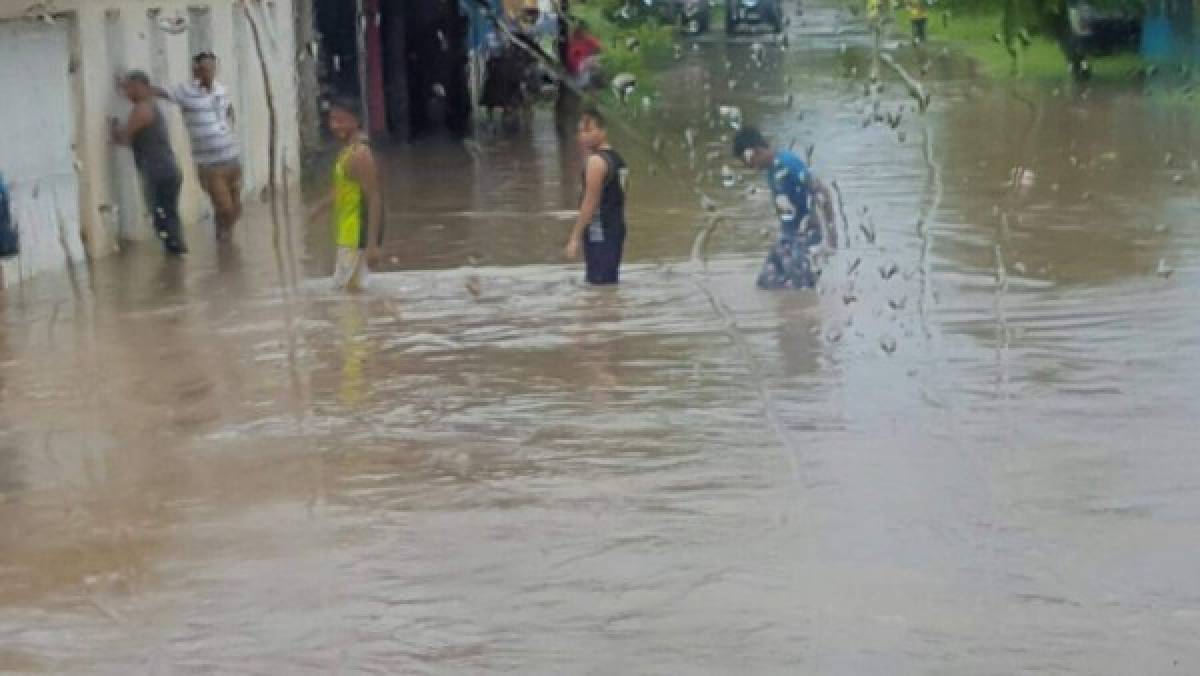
987, 34
976, 34
1035, 8
633, 46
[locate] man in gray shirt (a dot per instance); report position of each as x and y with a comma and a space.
145, 132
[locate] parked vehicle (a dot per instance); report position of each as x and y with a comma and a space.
740, 13
515, 82
1097, 32
694, 16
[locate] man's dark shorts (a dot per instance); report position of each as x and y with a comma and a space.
603, 258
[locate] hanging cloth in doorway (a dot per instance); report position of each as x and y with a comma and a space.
10, 244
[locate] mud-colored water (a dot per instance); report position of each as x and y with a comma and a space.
982, 463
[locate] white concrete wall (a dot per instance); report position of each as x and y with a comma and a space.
37, 159
102, 47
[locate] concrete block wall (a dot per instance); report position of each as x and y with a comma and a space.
109, 36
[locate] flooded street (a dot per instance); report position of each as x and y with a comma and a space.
972, 452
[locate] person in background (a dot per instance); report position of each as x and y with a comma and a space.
583, 51
145, 132
600, 227
874, 11
790, 263
502, 83
209, 117
918, 16
355, 199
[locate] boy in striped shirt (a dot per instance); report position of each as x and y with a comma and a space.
208, 115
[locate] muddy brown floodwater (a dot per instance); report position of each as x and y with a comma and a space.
973, 452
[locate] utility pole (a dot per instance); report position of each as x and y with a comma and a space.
308, 55
568, 99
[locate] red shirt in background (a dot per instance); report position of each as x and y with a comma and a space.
580, 47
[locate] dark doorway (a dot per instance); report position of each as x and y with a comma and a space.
425, 68
338, 60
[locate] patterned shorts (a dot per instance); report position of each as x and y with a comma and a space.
789, 265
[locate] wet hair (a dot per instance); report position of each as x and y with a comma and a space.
138, 76
346, 104
592, 113
747, 138
202, 57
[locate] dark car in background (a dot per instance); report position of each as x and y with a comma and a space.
694, 16
691, 17
1099, 31
739, 13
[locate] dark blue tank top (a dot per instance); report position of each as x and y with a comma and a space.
610, 215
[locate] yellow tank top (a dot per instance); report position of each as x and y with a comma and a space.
349, 222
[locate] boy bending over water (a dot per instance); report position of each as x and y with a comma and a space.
789, 264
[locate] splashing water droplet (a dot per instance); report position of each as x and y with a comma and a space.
868, 232
729, 179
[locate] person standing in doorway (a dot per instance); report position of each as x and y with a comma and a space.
355, 199
210, 119
600, 226
145, 132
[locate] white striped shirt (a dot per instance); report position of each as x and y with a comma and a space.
206, 114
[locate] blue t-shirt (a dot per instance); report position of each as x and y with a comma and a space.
788, 179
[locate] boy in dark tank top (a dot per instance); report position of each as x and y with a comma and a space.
600, 227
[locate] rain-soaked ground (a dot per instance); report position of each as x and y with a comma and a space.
973, 452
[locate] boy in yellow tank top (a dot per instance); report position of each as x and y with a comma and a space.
354, 201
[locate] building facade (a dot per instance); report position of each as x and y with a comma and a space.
75, 195
418, 66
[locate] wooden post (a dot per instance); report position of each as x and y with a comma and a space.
370, 50
308, 88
